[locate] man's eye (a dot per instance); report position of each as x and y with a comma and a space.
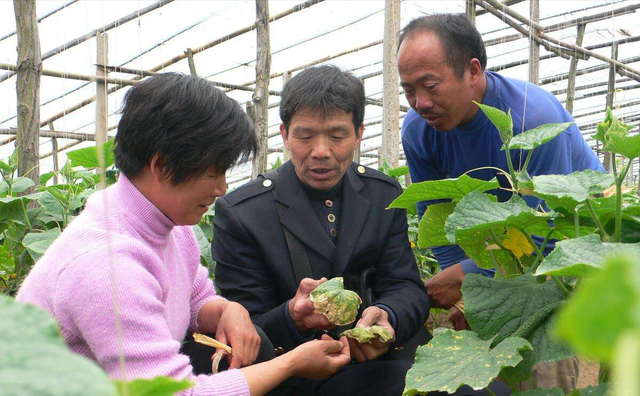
431, 86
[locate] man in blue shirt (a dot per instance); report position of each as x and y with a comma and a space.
442, 61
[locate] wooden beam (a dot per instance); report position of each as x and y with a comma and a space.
470, 10
28, 90
102, 106
571, 87
53, 134
390, 100
192, 63
261, 93
286, 76
74, 76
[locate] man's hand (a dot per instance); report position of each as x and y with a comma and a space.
236, 330
375, 348
444, 288
301, 308
319, 359
457, 319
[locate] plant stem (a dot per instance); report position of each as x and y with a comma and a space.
603, 373
490, 392
576, 222
539, 258
495, 239
26, 216
526, 161
618, 223
596, 220
561, 285
511, 170
497, 265
537, 249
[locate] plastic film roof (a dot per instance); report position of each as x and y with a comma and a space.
321, 30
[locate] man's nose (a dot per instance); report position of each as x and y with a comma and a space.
321, 149
423, 101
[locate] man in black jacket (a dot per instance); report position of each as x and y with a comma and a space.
335, 211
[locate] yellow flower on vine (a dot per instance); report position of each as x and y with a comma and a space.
517, 243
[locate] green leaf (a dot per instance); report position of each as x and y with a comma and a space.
5, 167
45, 177
330, 299
159, 386
567, 191
500, 307
540, 392
36, 360
606, 306
366, 334
88, 157
614, 135
453, 359
580, 256
538, 136
399, 171
627, 365
21, 184
602, 127
500, 119
600, 390
454, 189
474, 244
12, 208
203, 243
38, 242
478, 212
431, 229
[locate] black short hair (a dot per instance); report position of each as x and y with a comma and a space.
325, 89
190, 123
458, 36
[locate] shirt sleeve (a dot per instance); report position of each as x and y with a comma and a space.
84, 304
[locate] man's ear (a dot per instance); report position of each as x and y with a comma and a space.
285, 135
158, 168
359, 134
475, 70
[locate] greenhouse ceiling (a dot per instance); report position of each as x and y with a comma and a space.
144, 35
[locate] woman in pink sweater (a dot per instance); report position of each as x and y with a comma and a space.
124, 279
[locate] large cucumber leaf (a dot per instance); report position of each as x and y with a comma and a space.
454, 189
538, 136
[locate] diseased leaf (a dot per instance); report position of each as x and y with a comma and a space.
340, 306
431, 230
607, 306
580, 256
478, 212
366, 334
456, 358
538, 136
37, 362
159, 386
567, 191
500, 119
454, 189
500, 307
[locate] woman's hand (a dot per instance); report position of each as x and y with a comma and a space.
320, 359
235, 329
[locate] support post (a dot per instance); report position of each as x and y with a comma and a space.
571, 88
286, 76
54, 153
611, 88
261, 94
28, 90
102, 111
390, 149
534, 47
470, 9
192, 63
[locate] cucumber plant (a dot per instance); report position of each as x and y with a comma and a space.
589, 218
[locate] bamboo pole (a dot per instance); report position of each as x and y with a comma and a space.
74, 76
390, 100
192, 63
28, 90
571, 87
93, 33
261, 95
487, 4
53, 134
592, 69
534, 48
508, 3
101, 89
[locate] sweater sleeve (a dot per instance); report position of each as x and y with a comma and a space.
203, 292
88, 307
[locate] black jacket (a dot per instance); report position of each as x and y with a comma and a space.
254, 266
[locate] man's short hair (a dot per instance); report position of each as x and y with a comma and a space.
459, 38
192, 125
325, 89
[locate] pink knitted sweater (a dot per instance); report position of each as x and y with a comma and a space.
159, 283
